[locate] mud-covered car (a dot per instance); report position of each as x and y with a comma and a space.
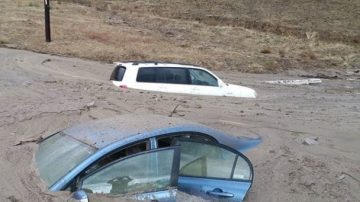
146, 157
175, 78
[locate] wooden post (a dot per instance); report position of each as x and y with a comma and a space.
47, 20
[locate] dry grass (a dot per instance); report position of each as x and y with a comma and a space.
308, 54
265, 51
147, 30
102, 37
282, 53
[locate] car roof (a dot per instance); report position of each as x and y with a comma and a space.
136, 127
103, 132
157, 64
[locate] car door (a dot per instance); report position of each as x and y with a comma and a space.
204, 83
152, 175
213, 171
174, 79
147, 79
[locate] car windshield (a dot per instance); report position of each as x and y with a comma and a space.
59, 154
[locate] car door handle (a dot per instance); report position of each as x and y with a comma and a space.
218, 192
196, 88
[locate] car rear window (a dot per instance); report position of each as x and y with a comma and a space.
172, 75
118, 73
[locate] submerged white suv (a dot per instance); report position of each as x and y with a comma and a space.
174, 78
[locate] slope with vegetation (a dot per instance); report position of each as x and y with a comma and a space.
244, 35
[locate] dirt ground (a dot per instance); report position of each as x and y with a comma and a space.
41, 94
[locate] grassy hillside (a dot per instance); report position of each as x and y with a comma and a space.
333, 20
244, 35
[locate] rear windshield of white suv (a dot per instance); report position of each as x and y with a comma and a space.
118, 73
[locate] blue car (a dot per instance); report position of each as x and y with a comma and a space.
146, 157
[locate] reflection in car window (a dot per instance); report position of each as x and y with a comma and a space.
59, 154
129, 150
168, 140
205, 160
242, 170
201, 77
143, 173
147, 75
171, 75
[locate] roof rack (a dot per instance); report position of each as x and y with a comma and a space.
134, 62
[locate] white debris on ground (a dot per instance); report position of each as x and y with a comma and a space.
90, 104
296, 82
311, 141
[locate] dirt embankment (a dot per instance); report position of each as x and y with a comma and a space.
41, 94
247, 36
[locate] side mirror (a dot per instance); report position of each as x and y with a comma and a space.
222, 84
80, 196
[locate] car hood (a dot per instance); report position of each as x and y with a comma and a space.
239, 91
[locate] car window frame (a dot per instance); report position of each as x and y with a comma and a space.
237, 153
84, 173
72, 185
174, 171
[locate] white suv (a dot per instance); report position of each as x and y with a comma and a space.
174, 78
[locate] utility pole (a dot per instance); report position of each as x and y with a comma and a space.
47, 20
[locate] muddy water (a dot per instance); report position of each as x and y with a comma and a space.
41, 94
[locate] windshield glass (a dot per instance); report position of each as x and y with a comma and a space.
59, 154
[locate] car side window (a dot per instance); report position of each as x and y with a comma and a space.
147, 74
170, 75
200, 159
145, 172
242, 170
201, 77
123, 152
168, 140
173, 75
